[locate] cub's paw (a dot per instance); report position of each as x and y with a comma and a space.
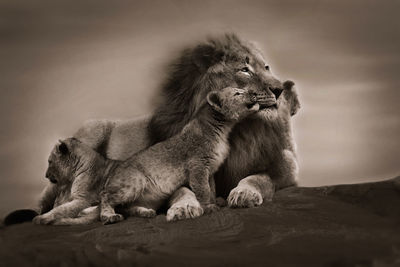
244, 197
111, 218
209, 208
43, 219
88, 211
181, 212
221, 202
142, 212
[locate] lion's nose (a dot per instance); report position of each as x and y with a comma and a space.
276, 91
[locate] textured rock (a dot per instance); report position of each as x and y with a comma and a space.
343, 225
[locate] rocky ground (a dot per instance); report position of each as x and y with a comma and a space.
343, 225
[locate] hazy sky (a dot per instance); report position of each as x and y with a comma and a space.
62, 63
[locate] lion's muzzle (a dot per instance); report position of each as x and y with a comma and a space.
265, 100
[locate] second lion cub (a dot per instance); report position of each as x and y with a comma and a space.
191, 157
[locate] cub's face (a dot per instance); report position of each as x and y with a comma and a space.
60, 168
67, 157
233, 103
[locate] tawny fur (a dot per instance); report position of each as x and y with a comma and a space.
262, 152
147, 179
77, 176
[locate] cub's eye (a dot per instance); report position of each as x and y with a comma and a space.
266, 67
236, 94
245, 69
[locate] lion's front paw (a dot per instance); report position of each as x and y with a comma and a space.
244, 197
43, 219
181, 212
111, 218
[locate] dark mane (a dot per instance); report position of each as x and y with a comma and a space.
189, 81
261, 145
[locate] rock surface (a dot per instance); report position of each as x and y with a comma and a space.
343, 225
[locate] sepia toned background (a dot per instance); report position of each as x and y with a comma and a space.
62, 63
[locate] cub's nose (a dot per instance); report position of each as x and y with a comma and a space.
253, 96
276, 91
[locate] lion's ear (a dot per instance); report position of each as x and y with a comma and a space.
214, 100
295, 106
288, 85
291, 95
62, 148
205, 56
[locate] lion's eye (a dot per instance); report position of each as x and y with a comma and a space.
266, 67
245, 69
236, 94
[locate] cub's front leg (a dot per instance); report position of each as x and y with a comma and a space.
47, 198
124, 187
68, 210
199, 182
80, 200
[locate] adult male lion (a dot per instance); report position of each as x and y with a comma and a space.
262, 156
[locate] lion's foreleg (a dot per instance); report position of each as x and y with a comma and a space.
86, 216
67, 210
288, 170
251, 191
183, 205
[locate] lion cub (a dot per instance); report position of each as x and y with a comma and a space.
77, 176
191, 157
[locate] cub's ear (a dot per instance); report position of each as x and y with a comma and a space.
62, 148
205, 56
214, 100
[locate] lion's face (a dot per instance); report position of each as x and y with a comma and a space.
66, 158
222, 62
241, 65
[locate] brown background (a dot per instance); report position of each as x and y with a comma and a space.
63, 63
